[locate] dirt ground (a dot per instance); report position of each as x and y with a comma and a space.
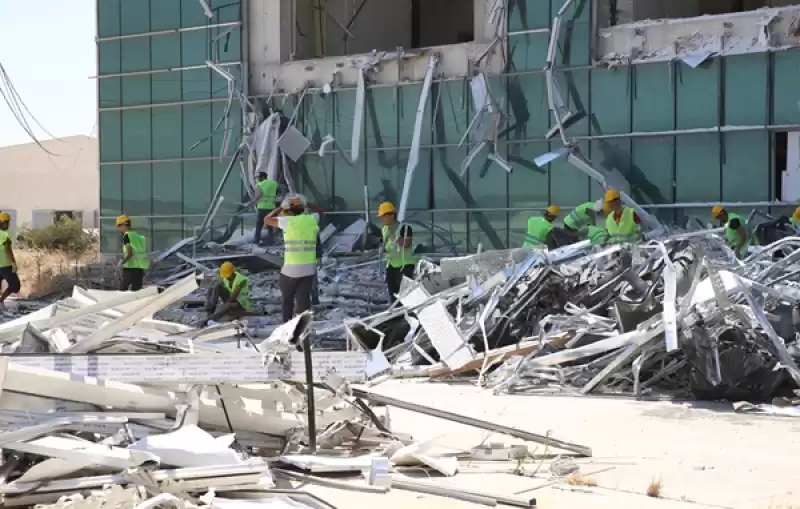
42, 273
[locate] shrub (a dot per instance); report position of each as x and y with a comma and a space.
66, 236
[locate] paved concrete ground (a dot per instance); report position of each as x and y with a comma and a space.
704, 455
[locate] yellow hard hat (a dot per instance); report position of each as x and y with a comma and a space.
606, 208
717, 211
554, 210
796, 214
122, 220
226, 270
386, 207
611, 195
4, 216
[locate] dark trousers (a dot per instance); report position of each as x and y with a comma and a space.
132, 279
219, 293
260, 226
394, 276
12, 280
295, 295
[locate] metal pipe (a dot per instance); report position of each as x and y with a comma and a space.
471, 421
167, 32
416, 485
310, 403
154, 161
160, 71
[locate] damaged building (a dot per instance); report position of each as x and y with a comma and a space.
444, 106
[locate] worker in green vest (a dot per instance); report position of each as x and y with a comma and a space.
398, 249
134, 261
580, 218
8, 263
597, 235
301, 243
266, 191
737, 236
622, 223
232, 290
795, 220
539, 228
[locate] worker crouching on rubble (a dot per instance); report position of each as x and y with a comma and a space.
8, 263
622, 223
301, 244
539, 228
737, 235
578, 221
233, 290
598, 236
134, 261
398, 248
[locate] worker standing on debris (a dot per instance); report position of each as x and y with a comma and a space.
301, 242
266, 191
134, 261
622, 223
398, 248
539, 228
233, 289
736, 235
8, 263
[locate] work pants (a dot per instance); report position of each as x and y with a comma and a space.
11, 278
260, 227
295, 295
219, 294
132, 279
394, 277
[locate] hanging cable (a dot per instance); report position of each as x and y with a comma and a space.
18, 108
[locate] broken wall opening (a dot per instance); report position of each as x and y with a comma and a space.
617, 12
329, 28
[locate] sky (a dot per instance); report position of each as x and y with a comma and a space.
47, 48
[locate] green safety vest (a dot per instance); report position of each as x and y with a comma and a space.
579, 217
793, 222
139, 246
538, 229
244, 295
624, 231
269, 189
300, 240
732, 236
597, 236
396, 256
4, 261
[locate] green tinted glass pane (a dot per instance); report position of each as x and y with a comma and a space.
450, 232
219, 85
135, 54
230, 45
166, 88
314, 179
231, 189
527, 102
228, 11
653, 100
786, 106
380, 118
109, 237
109, 57
192, 14
518, 226
451, 115
746, 97
165, 14
343, 117
385, 178
197, 130
110, 136
196, 187
136, 135
107, 18
195, 47
697, 168
134, 16
196, 84
653, 159
611, 100
698, 95
579, 10
529, 185
419, 194
408, 104
167, 125
110, 90
318, 118
110, 190
165, 52
574, 87
746, 167
348, 183
166, 233
450, 191
527, 52
488, 182
226, 135
135, 90
423, 231
569, 186
528, 15
137, 190
573, 46
167, 189
612, 157
488, 229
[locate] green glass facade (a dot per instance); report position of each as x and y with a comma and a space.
721, 118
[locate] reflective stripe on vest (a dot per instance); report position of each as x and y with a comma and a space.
138, 245
538, 229
4, 237
300, 240
579, 217
244, 295
269, 189
597, 235
732, 236
624, 231
396, 256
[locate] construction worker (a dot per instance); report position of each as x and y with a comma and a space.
584, 215
736, 234
795, 220
8, 263
598, 236
134, 261
233, 290
398, 248
301, 242
266, 191
622, 223
539, 228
